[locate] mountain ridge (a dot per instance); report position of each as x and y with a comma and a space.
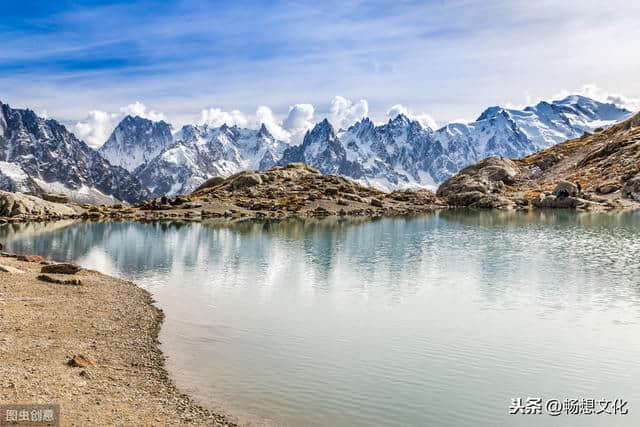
40, 155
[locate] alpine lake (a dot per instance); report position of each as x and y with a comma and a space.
449, 319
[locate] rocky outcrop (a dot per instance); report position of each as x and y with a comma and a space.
211, 182
565, 189
555, 202
15, 204
482, 185
295, 189
631, 189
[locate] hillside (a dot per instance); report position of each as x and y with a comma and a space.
605, 164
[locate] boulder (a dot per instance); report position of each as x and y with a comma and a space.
246, 180
62, 268
56, 198
14, 204
607, 188
471, 186
553, 202
546, 161
211, 182
376, 203
54, 280
565, 189
321, 211
631, 189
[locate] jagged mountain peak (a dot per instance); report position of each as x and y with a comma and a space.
135, 141
491, 113
264, 132
40, 155
400, 120
322, 130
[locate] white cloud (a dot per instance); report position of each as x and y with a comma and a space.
265, 116
599, 94
343, 112
291, 129
423, 118
96, 128
216, 117
299, 117
140, 110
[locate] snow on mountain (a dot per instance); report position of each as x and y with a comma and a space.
516, 133
387, 157
136, 141
404, 154
200, 152
38, 155
398, 154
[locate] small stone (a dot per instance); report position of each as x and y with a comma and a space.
79, 361
30, 258
62, 268
10, 270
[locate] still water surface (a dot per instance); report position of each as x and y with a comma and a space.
437, 320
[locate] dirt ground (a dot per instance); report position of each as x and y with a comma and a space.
113, 325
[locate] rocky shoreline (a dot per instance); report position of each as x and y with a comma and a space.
88, 342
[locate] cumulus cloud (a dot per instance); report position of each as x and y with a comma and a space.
265, 116
140, 110
299, 117
343, 112
216, 117
298, 120
599, 94
96, 128
98, 125
424, 119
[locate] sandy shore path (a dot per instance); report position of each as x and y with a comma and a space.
110, 322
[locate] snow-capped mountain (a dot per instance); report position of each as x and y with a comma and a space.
398, 154
389, 156
42, 156
200, 152
516, 133
404, 154
136, 141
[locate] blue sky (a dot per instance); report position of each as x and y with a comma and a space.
209, 60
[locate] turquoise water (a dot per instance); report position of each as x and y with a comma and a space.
436, 320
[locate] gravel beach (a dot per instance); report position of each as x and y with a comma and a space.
110, 326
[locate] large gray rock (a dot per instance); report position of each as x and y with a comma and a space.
553, 202
482, 184
246, 180
565, 189
62, 268
211, 182
631, 189
13, 204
